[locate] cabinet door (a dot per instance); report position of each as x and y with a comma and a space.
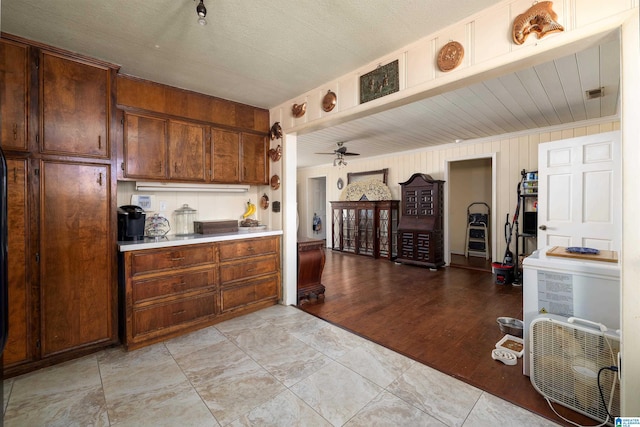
225, 159
18, 347
187, 152
14, 79
145, 147
254, 159
366, 231
76, 294
74, 107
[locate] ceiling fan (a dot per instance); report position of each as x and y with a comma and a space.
340, 152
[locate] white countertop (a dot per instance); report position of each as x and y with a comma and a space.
192, 239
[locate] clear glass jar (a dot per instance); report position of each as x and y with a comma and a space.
184, 220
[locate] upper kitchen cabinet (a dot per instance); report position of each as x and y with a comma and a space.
207, 139
145, 147
14, 80
187, 151
225, 156
254, 159
74, 107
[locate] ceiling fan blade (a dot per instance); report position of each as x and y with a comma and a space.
326, 153
350, 154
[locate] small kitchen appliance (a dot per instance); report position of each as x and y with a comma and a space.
131, 222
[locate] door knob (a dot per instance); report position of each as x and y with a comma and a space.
543, 227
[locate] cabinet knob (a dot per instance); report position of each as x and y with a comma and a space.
543, 227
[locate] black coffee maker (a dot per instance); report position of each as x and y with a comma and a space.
130, 222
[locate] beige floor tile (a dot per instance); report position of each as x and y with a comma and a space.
389, 410
336, 393
492, 411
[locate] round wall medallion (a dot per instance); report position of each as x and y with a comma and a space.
275, 182
264, 201
329, 101
340, 183
450, 56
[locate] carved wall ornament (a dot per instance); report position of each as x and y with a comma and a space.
276, 131
329, 101
298, 110
539, 18
450, 56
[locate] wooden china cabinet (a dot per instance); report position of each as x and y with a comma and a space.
366, 227
420, 232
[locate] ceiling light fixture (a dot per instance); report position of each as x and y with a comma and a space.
202, 13
339, 160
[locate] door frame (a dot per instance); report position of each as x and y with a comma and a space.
447, 172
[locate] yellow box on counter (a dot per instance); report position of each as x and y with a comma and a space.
214, 227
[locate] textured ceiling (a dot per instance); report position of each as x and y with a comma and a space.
264, 53
257, 52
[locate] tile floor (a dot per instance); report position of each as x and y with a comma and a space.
276, 367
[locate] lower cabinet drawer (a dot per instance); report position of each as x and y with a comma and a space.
248, 248
250, 292
248, 268
143, 290
181, 311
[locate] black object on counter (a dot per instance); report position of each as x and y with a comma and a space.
131, 220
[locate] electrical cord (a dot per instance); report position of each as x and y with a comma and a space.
612, 369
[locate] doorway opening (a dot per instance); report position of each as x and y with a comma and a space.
471, 189
317, 208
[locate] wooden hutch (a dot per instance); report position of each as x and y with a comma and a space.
420, 231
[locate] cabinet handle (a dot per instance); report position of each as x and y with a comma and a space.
177, 259
15, 174
181, 284
250, 249
248, 270
15, 131
99, 142
175, 167
176, 313
100, 179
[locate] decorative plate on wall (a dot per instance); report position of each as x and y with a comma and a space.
275, 182
450, 56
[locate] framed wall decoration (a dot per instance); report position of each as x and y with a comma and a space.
380, 82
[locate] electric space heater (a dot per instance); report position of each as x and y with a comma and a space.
566, 357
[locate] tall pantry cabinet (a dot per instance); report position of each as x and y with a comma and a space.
65, 302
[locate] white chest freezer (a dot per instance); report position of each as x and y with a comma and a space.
569, 287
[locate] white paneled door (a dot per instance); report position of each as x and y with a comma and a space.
580, 194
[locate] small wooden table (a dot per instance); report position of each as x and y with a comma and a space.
311, 259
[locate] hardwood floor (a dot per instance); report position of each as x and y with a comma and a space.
445, 319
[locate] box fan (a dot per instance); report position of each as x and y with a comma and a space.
566, 359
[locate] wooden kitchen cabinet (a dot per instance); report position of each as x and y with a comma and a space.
145, 147
63, 293
167, 292
188, 152
18, 349
74, 106
253, 159
14, 80
421, 232
76, 296
225, 156
249, 273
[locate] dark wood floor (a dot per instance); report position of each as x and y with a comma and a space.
445, 319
